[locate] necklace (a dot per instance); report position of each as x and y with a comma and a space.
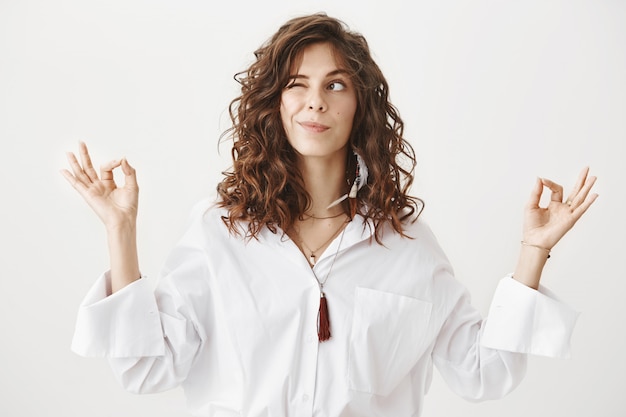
312, 258
310, 216
323, 320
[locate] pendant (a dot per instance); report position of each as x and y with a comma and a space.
312, 259
323, 321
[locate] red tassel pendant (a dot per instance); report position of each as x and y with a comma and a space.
323, 323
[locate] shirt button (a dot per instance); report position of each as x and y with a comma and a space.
305, 397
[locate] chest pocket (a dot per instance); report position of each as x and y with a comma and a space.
389, 334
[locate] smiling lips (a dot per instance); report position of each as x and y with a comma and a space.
314, 127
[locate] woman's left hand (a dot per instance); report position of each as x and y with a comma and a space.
545, 226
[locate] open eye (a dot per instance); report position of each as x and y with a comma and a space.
337, 86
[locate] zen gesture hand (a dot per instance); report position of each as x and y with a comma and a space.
116, 206
544, 227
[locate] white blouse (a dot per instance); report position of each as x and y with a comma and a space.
234, 321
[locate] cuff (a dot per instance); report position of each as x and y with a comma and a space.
525, 320
123, 324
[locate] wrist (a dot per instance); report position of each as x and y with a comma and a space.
124, 263
121, 228
530, 265
543, 249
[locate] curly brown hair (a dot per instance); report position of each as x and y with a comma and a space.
265, 187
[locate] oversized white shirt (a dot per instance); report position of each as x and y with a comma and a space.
234, 321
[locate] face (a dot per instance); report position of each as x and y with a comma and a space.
318, 105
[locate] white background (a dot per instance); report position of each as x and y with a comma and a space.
493, 94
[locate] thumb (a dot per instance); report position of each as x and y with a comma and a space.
535, 194
130, 174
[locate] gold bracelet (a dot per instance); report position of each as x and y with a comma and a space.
538, 247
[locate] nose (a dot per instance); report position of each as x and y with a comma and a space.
316, 102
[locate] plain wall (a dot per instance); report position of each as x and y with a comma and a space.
493, 93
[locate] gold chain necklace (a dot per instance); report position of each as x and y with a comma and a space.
323, 318
307, 216
312, 257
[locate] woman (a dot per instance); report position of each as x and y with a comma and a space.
311, 286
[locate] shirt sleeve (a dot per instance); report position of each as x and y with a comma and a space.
123, 324
150, 336
486, 359
525, 320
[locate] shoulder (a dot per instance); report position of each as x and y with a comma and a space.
416, 227
206, 210
204, 223
419, 238
208, 221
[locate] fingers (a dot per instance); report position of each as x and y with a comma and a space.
535, 194
582, 208
106, 169
130, 176
581, 189
582, 177
77, 170
78, 186
83, 174
579, 198
557, 190
85, 160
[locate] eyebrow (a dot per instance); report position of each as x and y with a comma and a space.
330, 74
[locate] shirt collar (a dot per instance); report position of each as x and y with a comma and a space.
356, 231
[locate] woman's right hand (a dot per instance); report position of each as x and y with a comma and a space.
116, 206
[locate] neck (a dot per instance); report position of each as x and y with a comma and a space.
325, 181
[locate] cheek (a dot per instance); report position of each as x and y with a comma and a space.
347, 113
284, 112
286, 118
288, 104
348, 108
